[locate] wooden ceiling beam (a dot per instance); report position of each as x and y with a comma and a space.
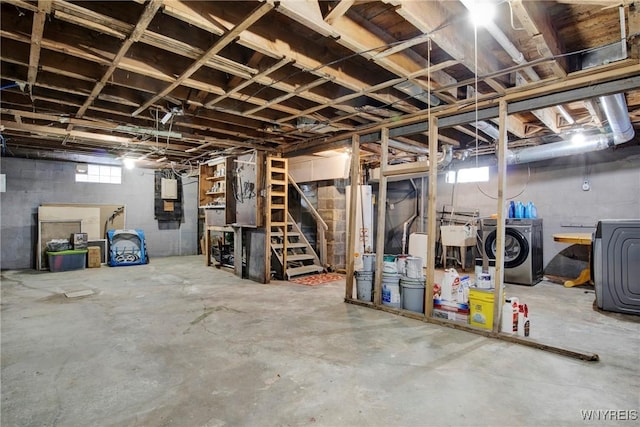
402, 63
148, 14
291, 94
372, 89
536, 22
200, 19
49, 130
255, 79
436, 21
338, 10
225, 40
37, 30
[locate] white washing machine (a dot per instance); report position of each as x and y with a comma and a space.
523, 262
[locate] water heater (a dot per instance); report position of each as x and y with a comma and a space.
364, 239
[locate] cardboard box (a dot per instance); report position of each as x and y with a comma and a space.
79, 240
451, 306
94, 258
450, 315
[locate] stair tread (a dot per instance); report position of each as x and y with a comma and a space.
289, 233
305, 269
290, 245
299, 257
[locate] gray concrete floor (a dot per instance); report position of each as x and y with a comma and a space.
175, 343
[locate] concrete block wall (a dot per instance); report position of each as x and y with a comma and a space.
31, 183
555, 187
332, 207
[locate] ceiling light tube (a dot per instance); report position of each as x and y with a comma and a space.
166, 117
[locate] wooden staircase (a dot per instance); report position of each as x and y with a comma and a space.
292, 254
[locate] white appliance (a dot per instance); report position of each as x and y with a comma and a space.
616, 265
364, 239
418, 244
523, 262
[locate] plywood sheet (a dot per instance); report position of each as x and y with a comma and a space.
90, 217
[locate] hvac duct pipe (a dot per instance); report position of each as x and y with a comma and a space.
403, 146
559, 149
487, 128
615, 110
407, 224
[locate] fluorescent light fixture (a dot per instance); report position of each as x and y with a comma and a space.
166, 117
129, 163
481, 12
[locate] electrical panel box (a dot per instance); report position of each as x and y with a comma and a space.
169, 189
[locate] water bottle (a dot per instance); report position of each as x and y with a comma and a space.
519, 210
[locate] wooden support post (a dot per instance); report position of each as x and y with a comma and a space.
351, 224
500, 226
431, 220
381, 201
237, 251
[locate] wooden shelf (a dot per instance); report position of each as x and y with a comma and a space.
213, 191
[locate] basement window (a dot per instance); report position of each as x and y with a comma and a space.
99, 174
480, 174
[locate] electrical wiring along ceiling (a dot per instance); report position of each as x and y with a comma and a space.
179, 82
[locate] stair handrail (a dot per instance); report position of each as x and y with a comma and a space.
320, 224
313, 210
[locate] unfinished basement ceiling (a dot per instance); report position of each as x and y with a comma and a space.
179, 81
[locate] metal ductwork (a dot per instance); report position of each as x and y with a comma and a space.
620, 129
487, 128
417, 169
615, 110
418, 93
403, 146
619, 123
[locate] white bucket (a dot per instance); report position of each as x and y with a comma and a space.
414, 268
412, 292
389, 265
391, 290
401, 264
364, 285
369, 261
